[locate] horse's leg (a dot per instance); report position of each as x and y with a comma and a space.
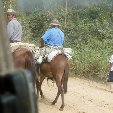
38, 85
62, 97
60, 91
41, 80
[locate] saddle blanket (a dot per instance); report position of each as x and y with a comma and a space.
15, 45
50, 56
66, 51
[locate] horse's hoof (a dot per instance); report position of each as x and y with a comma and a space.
53, 103
61, 109
43, 97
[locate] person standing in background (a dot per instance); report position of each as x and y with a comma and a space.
14, 28
110, 72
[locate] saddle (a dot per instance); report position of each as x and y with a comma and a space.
48, 57
41, 57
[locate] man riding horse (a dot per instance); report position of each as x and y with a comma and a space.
53, 39
55, 64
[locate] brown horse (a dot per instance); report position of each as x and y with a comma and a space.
58, 68
23, 58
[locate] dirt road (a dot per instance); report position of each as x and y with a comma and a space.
82, 97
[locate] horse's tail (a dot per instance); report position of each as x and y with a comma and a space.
65, 79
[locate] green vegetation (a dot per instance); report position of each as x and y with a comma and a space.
88, 31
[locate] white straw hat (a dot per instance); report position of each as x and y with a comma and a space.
55, 22
11, 11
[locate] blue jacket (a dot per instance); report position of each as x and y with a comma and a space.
53, 37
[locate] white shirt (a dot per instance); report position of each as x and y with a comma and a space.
111, 61
14, 30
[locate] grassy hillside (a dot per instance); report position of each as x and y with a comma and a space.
88, 31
